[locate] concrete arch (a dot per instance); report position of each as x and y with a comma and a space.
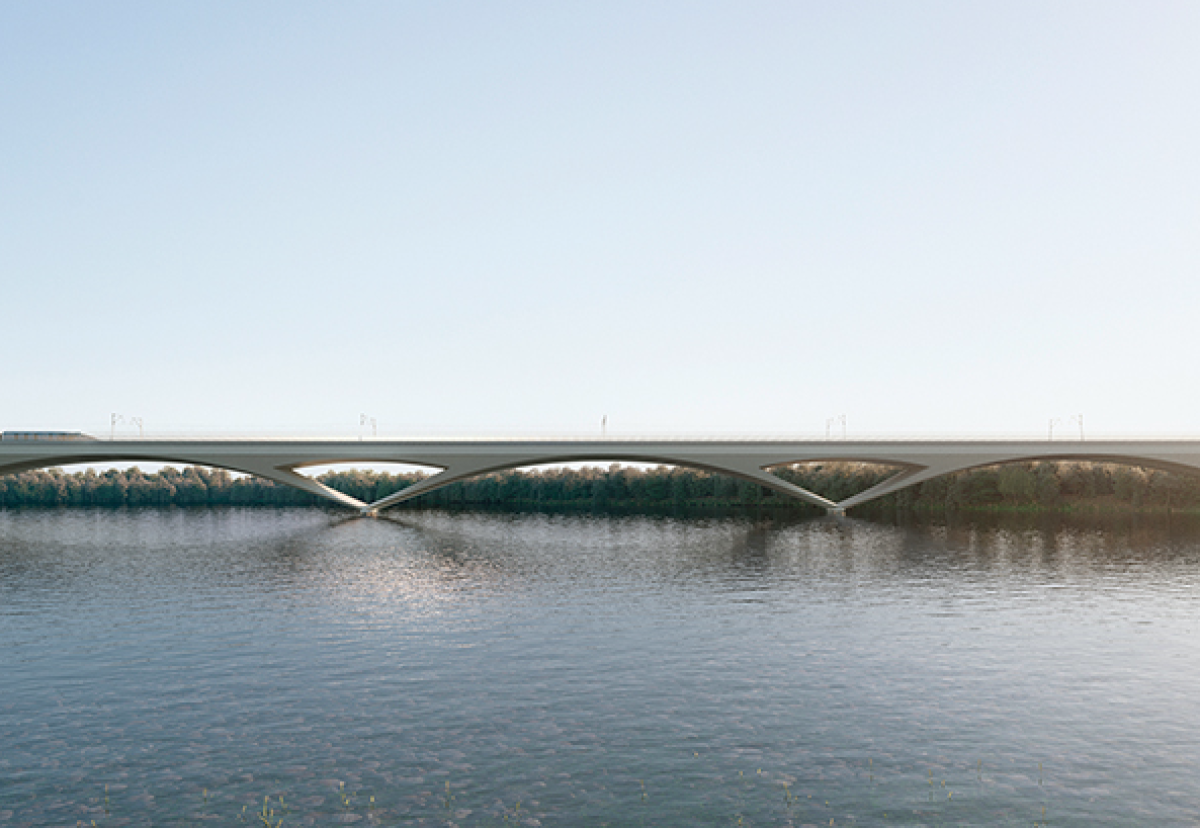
463, 471
284, 475
915, 475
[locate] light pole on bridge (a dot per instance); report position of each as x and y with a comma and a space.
363, 420
1053, 422
840, 418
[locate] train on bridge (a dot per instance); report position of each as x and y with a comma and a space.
51, 436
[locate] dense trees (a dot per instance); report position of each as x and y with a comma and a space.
133, 488
1024, 487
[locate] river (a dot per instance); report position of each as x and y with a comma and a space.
429, 668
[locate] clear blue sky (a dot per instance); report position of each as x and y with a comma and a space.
517, 217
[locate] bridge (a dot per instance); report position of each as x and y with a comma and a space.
454, 460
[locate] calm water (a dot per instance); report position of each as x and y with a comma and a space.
443, 668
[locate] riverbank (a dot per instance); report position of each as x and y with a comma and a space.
1032, 488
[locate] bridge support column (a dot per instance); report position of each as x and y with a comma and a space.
902, 480
450, 474
290, 477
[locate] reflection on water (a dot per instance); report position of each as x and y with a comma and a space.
440, 668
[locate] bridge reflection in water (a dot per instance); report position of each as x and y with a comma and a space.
455, 460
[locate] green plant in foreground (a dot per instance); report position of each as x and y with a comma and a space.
748, 800
268, 814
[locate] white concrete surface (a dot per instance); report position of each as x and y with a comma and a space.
282, 460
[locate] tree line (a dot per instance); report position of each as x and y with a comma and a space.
1043, 486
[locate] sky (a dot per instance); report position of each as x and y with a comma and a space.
691, 218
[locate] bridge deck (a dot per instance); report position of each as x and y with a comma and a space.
282, 460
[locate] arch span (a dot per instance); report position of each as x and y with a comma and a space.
470, 469
279, 474
915, 475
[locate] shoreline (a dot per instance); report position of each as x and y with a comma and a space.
1028, 489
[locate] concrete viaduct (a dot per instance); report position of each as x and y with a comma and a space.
455, 460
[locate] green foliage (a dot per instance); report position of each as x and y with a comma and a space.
1047, 485
617, 489
1017, 483
1050, 486
117, 488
